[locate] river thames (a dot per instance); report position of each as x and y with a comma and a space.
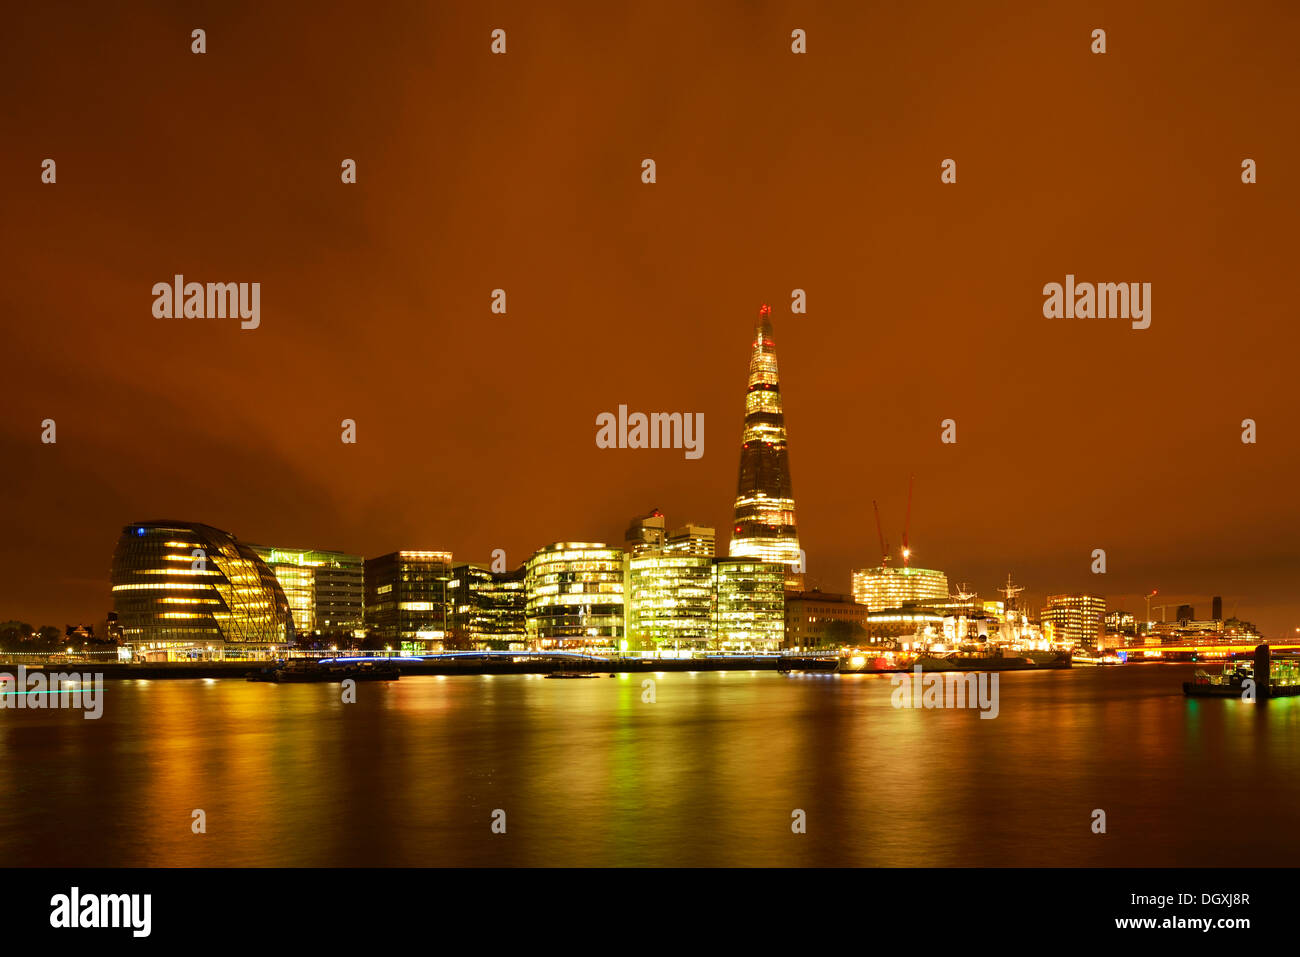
589, 774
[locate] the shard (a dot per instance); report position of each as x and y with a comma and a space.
765, 528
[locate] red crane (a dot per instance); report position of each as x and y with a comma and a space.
884, 545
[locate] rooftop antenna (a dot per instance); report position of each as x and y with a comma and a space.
1011, 592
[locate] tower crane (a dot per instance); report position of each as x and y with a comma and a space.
880, 530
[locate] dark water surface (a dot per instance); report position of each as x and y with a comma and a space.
706, 775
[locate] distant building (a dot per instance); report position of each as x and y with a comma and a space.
645, 535
487, 608
691, 540
1121, 624
1075, 618
1185, 613
184, 590
1216, 607
886, 586
326, 589
816, 619
750, 604
574, 595
406, 599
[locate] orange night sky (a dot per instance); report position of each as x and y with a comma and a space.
775, 171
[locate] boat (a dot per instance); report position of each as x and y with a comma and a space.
562, 671
307, 670
819, 664
1228, 683
993, 659
1097, 660
1250, 679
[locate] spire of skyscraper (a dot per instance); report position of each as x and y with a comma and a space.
764, 528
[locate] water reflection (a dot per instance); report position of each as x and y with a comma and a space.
708, 774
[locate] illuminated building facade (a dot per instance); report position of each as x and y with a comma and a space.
574, 595
889, 587
749, 609
816, 619
691, 540
406, 599
670, 601
487, 607
180, 589
764, 529
1077, 619
325, 589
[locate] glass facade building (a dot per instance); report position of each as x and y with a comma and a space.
889, 587
575, 595
325, 589
407, 599
178, 585
749, 604
488, 609
670, 601
764, 528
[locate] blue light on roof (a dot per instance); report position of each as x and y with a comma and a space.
139, 532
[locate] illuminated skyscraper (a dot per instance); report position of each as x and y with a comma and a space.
764, 528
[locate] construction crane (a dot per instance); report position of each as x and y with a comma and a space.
880, 530
1154, 592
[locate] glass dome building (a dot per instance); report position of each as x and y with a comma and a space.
179, 585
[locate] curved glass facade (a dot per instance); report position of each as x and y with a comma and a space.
575, 595
175, 583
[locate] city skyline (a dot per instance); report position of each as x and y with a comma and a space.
924, 300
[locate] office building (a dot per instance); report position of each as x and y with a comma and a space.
1075, 619
816, 619
406, 602
749, 605
488, 609
574, 596
887, 587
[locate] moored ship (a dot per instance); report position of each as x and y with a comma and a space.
305, 670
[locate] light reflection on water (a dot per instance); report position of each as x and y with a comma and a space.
707, 775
